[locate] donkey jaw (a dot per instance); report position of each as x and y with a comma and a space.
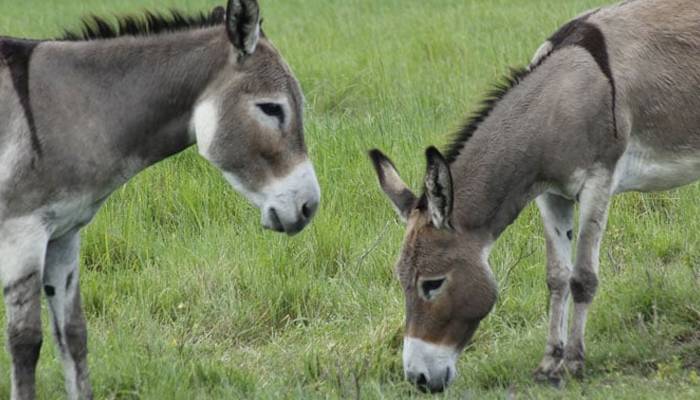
431, 367
287, 204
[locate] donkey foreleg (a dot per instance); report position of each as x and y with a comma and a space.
62, 288
22, 248
595, 199
557, 216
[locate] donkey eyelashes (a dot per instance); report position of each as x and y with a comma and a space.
272, 110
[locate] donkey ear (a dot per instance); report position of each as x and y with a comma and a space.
400, 195
438, 188
243, 24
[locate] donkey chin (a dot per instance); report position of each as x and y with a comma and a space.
287, 204
431, 367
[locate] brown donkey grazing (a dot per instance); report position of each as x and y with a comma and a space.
81, 115
609, 104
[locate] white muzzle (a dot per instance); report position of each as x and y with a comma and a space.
429, 366
287, 204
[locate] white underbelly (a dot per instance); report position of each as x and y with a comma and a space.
646, 170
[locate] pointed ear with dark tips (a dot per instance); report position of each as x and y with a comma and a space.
400, 195
243, 24
438, 188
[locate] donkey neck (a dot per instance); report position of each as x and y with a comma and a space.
498, 171
138, 90
493, 182
538, 136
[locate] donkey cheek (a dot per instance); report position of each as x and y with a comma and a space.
466, 333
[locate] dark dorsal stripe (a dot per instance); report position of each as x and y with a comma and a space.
588, 36
575, 33
16, 54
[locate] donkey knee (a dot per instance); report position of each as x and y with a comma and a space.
558, 279
583, 286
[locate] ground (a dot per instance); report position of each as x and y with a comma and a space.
188, 298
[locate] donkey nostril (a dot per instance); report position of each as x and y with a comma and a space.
422, 380
308, 210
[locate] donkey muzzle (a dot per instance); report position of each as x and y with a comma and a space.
291, 202
271, 218
431, 367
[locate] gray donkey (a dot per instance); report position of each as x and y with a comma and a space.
81, 115
609, 104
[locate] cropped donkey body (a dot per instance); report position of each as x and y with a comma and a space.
609, 104
78, 118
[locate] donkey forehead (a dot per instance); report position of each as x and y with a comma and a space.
269, 69
431, 251
418, 223
425, 248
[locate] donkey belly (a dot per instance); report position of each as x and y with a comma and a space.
67, 215
644, 169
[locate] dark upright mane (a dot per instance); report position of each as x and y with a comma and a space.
487, 105
577, 32
150, 23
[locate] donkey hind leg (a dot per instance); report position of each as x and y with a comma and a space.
595, 199
22, 248
62, 289
557, 215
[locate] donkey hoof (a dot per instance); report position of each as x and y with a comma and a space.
553, 379
551, 375
575, 368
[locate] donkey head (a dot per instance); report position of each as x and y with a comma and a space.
447, 283
249, 124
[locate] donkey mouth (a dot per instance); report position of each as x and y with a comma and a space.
424, 385
274, 223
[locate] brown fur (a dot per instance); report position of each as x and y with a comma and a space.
469, 289
106, 108
610, 109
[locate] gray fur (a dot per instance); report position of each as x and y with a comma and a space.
553, 135
653, 55
24, 335
103, 110
69, 327
573, 152
557, 215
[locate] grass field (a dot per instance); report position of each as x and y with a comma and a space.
188, 298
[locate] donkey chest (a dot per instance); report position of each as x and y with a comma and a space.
644, 169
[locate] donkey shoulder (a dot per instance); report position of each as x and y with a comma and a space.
15, 51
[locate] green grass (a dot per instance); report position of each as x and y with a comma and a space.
188, 298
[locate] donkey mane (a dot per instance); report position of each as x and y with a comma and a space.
150, 23
577, 32
498, 91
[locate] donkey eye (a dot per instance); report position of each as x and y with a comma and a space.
272, 110
429, 287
